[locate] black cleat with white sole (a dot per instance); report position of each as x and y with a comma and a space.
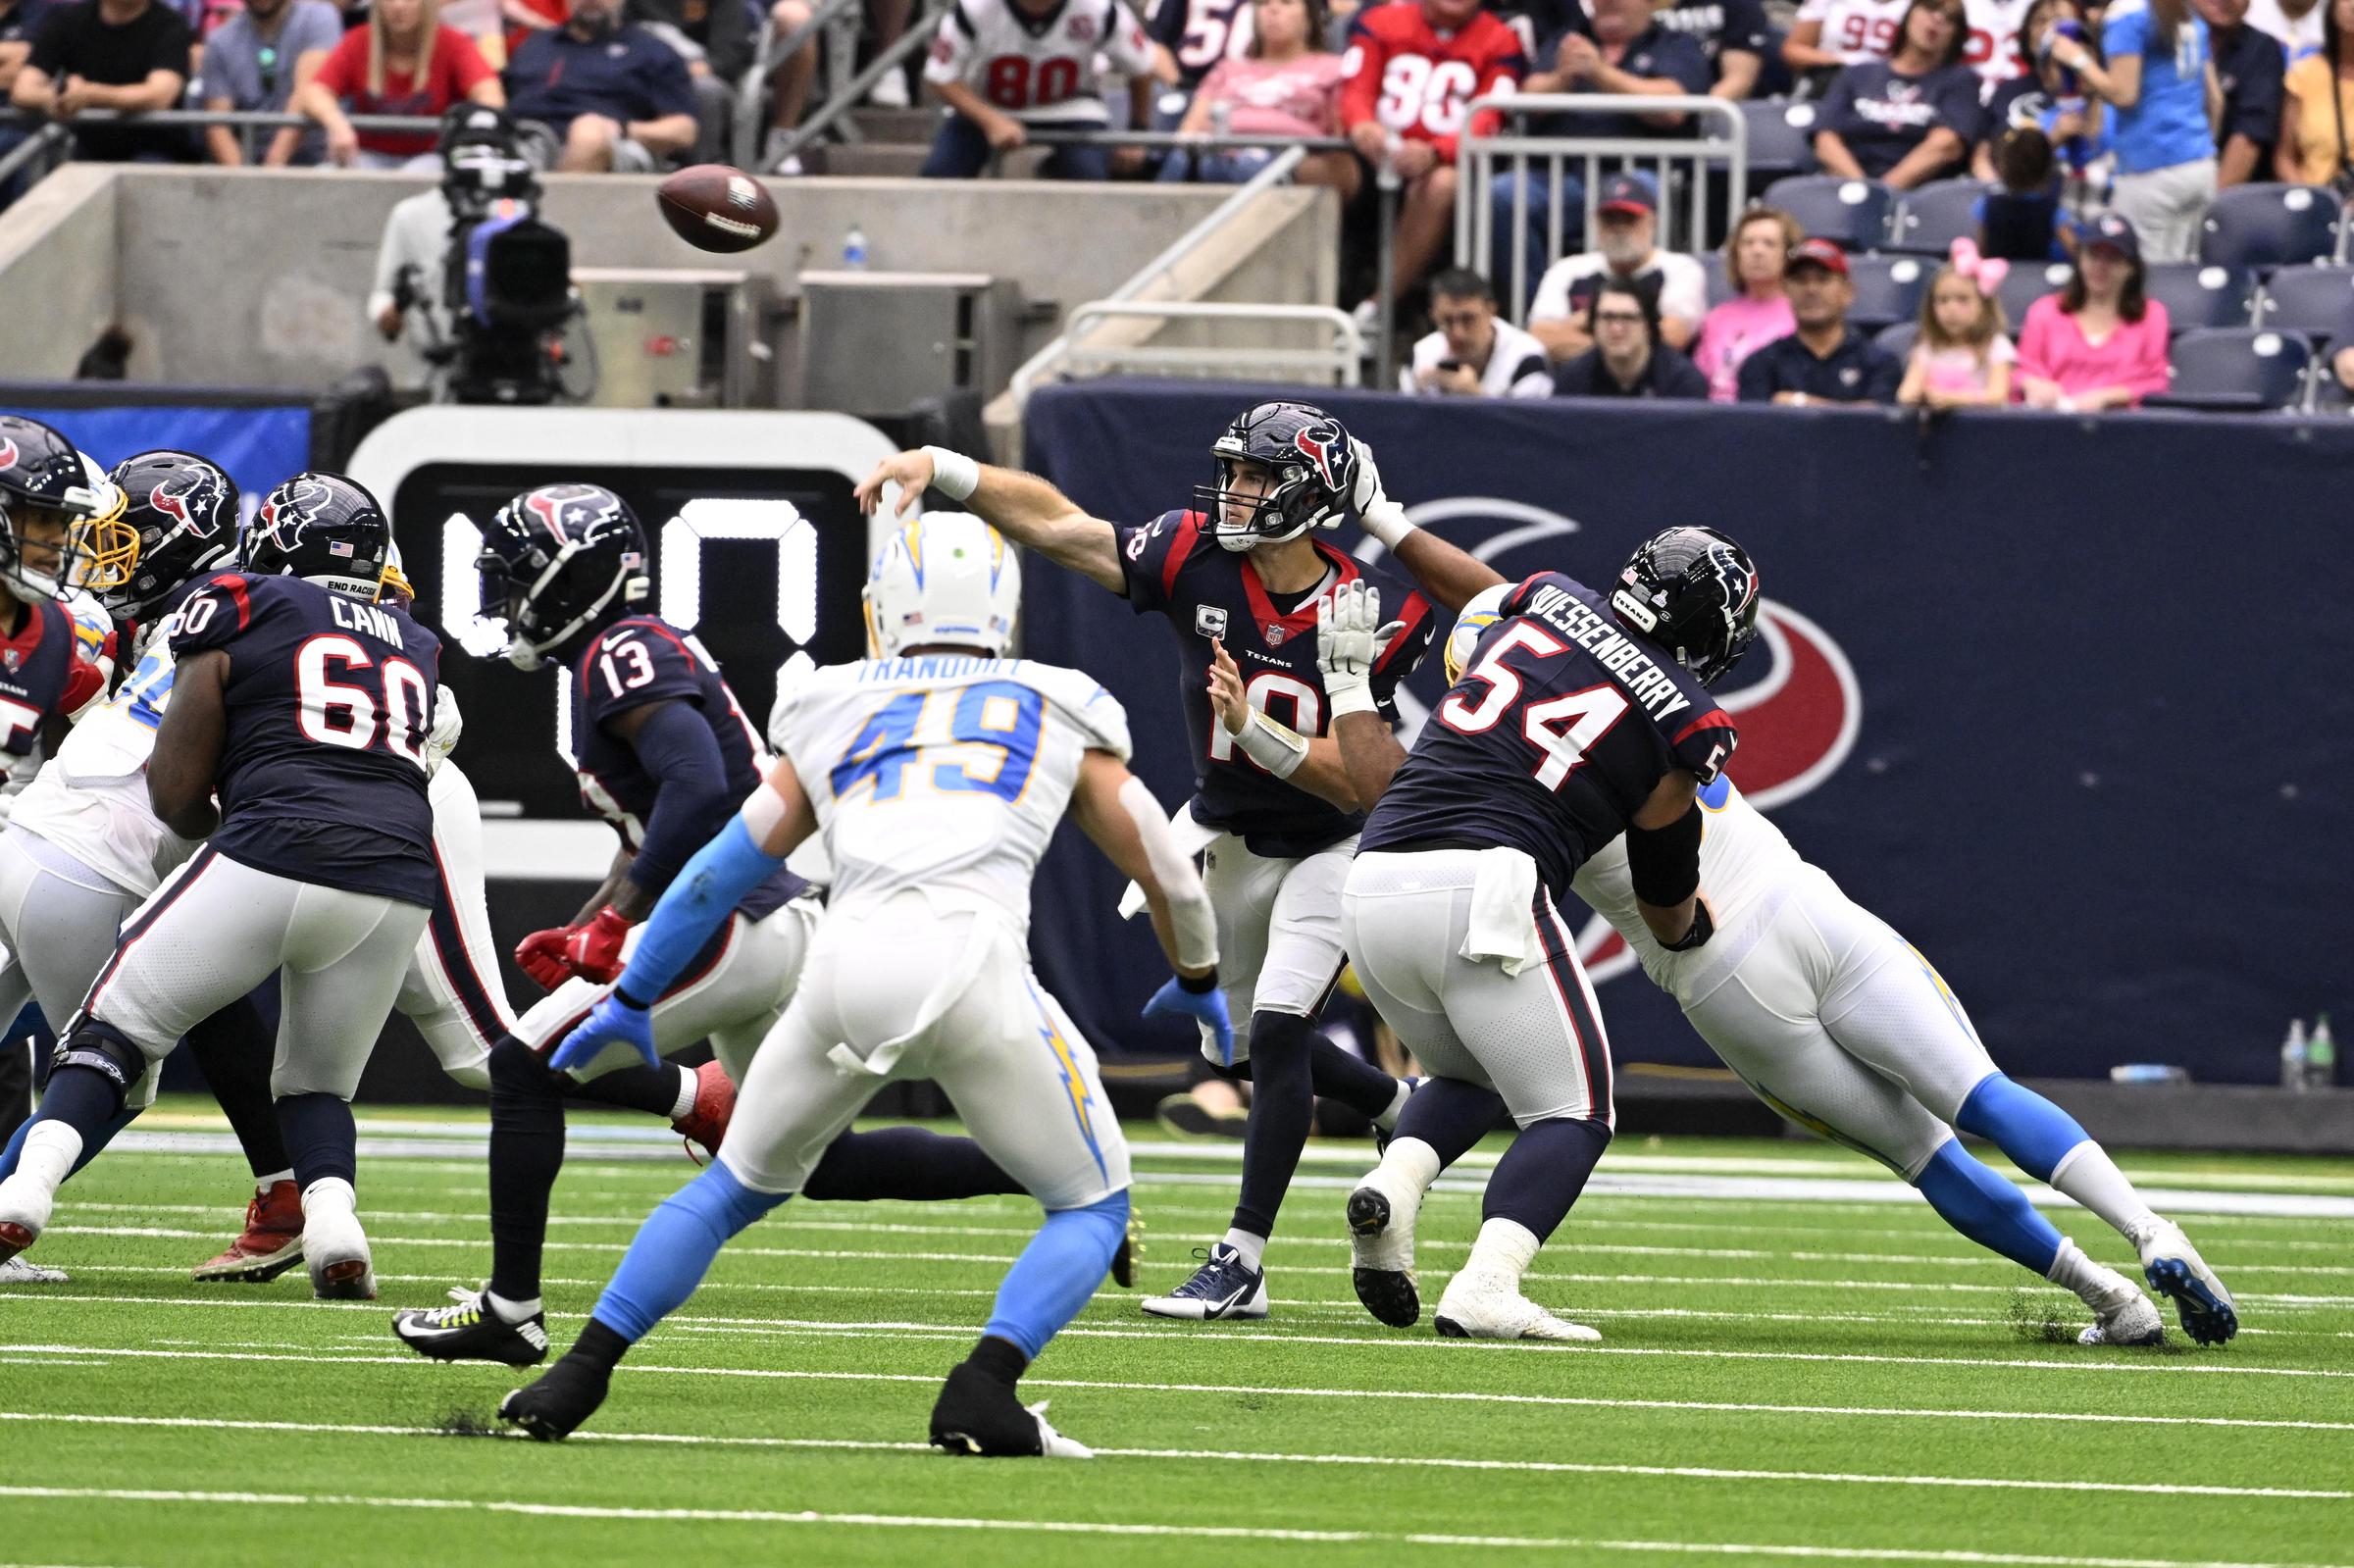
1390, 1294
977, 1414
566, 1394
469, 1329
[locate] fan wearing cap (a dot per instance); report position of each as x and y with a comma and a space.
1627, 223
1826, 359
2100, 342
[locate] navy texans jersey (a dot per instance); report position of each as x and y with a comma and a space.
641, 659
1560, 730
1211, 594
321, 775
45, 668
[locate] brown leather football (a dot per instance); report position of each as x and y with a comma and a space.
713, 207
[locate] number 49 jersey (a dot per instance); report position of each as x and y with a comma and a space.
1040, 70
1560, 730
943, 772
322, 774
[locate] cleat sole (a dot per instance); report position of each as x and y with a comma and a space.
259, 1270
1449, 1329
346, 1280
15, 1238
1390, 1297
2205, 1318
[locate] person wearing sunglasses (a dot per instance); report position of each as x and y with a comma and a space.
251, 64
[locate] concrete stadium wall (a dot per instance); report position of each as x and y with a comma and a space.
257, 278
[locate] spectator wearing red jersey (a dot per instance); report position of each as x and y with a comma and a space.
1413, 70
400, 61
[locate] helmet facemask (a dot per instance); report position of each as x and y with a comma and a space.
44, 549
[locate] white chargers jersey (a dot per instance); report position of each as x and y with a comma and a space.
1039, 68
942, 773
91, 799
1745, 866
1856, 31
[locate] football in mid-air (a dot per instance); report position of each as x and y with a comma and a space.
713, 207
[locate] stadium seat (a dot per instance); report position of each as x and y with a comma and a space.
2271, 225
1851, 213
2198, 296
1898, 338
1782, 140
2312, 300
2024, 285
1931, 218
2236, 368
1888, 290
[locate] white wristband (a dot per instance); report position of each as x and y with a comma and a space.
1347, 698
1386, 520
955, 475
1271, 745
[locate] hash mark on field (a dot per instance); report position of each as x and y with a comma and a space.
1095, 1526
1226, 1456
1445, 1396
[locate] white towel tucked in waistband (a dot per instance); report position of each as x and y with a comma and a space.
1503, 897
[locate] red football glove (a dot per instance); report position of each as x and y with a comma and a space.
593, 951
541, 955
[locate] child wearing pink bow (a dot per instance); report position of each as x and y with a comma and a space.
1961, 358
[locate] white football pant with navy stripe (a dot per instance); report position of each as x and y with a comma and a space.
912, 986
1279, 930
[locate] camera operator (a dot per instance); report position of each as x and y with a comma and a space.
488, 282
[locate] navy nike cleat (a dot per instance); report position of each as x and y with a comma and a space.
2176, 1271
1223, 1289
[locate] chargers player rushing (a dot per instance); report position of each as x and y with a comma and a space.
1836, 1022
664, 754
937, 773
307, 704
1240, 581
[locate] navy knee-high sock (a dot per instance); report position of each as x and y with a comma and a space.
1282, 1104
905, 1162
1541, 1175
233, 1049
1451, 1116
651, 1089
321, 1140
526, 1150
1352, 1079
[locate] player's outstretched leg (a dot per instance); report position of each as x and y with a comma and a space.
81, 1109
980, 1410
669, 1257
2047, 1143
1444, 1118
1996, 1215
233, 1049
1528, 1196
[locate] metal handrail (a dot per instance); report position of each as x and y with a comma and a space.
52, 142
1037, 365
1344, 357
1722, 138
852, 92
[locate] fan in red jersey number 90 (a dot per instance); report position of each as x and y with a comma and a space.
713, 207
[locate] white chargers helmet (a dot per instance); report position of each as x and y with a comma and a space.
946, 578
1479, 612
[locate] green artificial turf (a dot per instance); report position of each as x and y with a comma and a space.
1803, 1376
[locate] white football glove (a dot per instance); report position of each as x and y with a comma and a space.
1380, 516
1349, 639
442, 739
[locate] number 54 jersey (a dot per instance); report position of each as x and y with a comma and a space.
943, 772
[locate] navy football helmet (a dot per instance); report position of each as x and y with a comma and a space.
558, 562
323, 529
1692, 592
1311, 471
49, 494
179, 521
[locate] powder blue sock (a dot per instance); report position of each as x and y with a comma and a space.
1988, 1209
2036, 1133
1057, 1271
674, 1249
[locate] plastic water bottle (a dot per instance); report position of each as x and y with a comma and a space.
2293, 1053
853, 248
2320, 1056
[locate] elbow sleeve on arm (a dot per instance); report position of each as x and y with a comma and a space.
1191, 919
705, 892
1666, 861
676, 746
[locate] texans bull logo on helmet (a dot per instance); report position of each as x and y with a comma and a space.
570, 510
283, 517
173, 497
1323, 445
7, 453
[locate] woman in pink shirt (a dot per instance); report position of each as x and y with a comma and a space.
2101, 342
1754, 256
1288, 84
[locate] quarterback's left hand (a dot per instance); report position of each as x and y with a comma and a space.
1206, 1007
1349, 638
593, 951
615, 1018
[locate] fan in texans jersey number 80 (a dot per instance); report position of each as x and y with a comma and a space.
555, 560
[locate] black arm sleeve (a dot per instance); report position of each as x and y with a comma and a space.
676, 746
1666, 861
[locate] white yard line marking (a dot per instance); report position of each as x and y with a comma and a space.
1392, 1393
1061, 1526
1434, 1462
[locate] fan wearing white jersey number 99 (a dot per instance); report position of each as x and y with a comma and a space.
936, 772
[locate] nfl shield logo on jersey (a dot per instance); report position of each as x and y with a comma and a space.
1275, 636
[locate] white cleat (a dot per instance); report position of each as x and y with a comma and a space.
1488, 1306
1381, 1246
1053, 1444
2122, 1315
2174, 1269
336, 1250
25, 1206
23, 1271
